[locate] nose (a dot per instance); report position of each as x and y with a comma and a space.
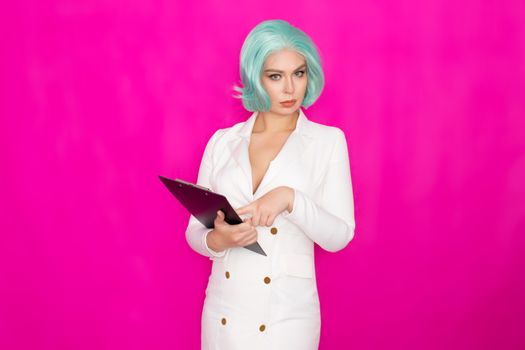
288, 85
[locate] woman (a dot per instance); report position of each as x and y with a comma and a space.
289, 178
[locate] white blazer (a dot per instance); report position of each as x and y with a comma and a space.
271, 302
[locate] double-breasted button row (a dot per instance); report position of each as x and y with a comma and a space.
261, 327
266, 279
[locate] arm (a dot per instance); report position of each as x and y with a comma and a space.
197, 233
330, 223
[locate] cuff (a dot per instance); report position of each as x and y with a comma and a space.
211, 251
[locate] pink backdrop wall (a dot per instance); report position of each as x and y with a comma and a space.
99, 98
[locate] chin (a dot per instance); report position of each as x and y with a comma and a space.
286, 111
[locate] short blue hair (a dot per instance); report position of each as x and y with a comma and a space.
268, 37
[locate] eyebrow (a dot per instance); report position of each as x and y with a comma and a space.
280, 71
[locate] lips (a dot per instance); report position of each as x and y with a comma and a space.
288, 103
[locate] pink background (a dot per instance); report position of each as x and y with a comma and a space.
99, 98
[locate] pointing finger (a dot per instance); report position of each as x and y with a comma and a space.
244, 209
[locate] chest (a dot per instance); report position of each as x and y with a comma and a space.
299, 163
262, 150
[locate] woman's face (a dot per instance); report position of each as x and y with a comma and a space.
284, 78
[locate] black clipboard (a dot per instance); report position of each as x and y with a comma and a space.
203, 203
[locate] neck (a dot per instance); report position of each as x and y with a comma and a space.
273, 123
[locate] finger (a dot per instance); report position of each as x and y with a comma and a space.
243, 210
271, 219
249, 231
245, 224
262, 219
242, 238
252, 224
252, 238
249, 239
266, 221
257, 219
219, 219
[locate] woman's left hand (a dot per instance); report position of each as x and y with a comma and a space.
265, 209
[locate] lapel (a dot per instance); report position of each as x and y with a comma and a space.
296, 144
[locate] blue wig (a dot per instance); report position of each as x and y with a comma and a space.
268, 37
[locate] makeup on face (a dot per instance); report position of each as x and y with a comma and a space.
285, 79
288, 104
276, 72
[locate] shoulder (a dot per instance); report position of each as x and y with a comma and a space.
221, 135
328, 140
323, 131
227, 133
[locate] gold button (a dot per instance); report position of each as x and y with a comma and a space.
227, 274
223, 321
267, 280
273, 230
262, 328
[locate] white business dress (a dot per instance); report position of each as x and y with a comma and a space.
271, 302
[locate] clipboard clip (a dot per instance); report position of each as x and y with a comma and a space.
193, 185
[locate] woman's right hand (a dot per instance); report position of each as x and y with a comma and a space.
225, 236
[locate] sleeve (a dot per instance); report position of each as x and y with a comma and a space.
196, 232
329, 223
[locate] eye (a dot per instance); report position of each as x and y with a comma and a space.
300, 73
274, 75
